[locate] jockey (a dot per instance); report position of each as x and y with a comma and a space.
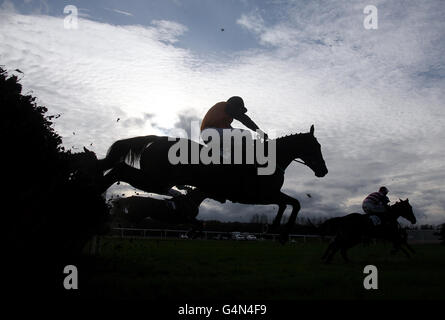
221, 115
376, 202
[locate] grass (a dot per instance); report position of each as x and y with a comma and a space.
261, 270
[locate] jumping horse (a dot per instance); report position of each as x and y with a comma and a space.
235, 182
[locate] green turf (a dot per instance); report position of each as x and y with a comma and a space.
260, 270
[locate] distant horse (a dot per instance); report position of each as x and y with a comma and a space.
178, 209
355, 228
235, 182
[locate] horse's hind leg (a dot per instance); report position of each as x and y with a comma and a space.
397, 246
327, 251
410, 248
334, 247
405, 252
276, 221
284, 236
196, 230
404, 243
104, 164
135, 177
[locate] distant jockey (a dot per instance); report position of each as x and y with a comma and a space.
376, 202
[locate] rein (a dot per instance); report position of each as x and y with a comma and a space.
302, 162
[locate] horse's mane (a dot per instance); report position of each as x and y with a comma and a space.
289, 138
292, 135
400, 202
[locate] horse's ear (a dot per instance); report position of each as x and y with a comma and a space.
85, 149
400, 200
312, 129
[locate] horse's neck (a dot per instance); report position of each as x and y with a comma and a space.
394, 212
288, 149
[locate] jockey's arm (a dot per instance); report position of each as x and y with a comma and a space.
245, 120
386, 203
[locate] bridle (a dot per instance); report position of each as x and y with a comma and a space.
303, 162
299, 161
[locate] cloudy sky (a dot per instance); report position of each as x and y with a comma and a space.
376, 96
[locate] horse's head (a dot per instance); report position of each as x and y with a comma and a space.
404, 210
311, 154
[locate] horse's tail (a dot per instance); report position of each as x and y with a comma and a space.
129, 150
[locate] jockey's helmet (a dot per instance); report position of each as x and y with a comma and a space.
384, 190
235, 106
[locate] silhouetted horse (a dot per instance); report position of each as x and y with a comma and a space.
178, 209
355, 228
235, 182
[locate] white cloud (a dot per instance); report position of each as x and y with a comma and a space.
252, 22
378, 112
120, 12
168, 31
